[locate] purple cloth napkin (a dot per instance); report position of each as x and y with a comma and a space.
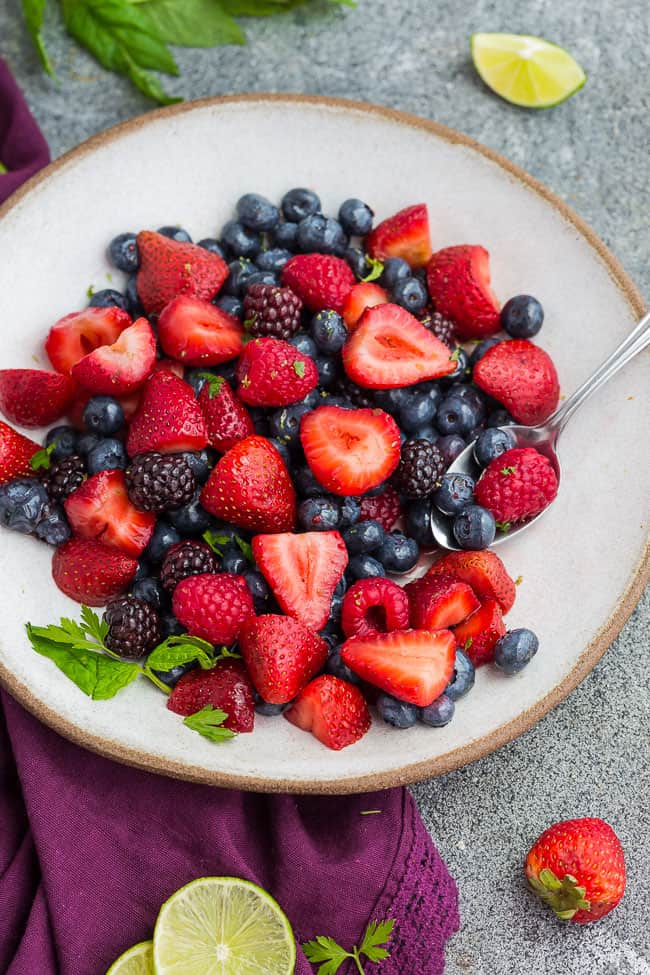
89, 849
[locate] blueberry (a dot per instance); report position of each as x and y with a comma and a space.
321, 234
108, 455
284, 423
484, 346
522, 317
285, 235
411, 294
336, 606
438, 714
365, 567
86, 442
262, 277
418, 521
319, 514
150, 591
299, 203
418, 410
514, 650
103, 415
334, 665
463, 678
304, 344
172, 677
200, 463
350, 512
395, 270
238, 273
163, 537
455, 415
392, 399
491, 444
123, 252
376, 491
355, 217
306, 484
197, 378
22, 504
256, 212
450, 447
260, 419
259, 589
454, 492
109, 298
234, 561
133, 303
427, 432
398, 713
331, 636
365, 536
328, 370
462, 373
282, 449
273, 259
474, 527
53, 527
175, 233
398, 552
357, 261
472, 395
213, 245
143, 571
240, 241
192, 519
328, 332
432, 389
230, 304
312, 399
499, 418
228, 370
66, 441
270, 710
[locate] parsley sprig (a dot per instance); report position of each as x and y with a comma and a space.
329, 955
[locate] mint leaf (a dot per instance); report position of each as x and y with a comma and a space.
98, 676
376, 269
33, 11
245, 548
209, 723
42, 458
191, 23
177, 650
376, 937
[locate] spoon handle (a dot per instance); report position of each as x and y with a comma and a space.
632, 344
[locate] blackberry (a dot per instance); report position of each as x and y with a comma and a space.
362, 398
272, 311
133, 626
420, 466
188, 558
160, 482
65, 477
442, 328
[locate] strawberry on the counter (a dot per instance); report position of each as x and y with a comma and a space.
226, 687
405, 235
459, 284
320, 280
169, 268
439, 601
517, 485
477, 636
197, 333
100, 509
168, 419
78, 334
120, 368
227, 418
364, 295
92, 573
483, 571
271, 372
522, 377
16, 451
281, 654
33, 397
333, 710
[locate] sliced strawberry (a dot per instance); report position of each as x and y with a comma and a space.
281, 655
412, 665
169, 268
334, 711
391, 348
303, 571
197, 333
90, 572
350, 451
16, 452
405, 235
478, 634
226, 687
227, 418
33, 397
483, 571
439, 601
363, 295
168, 420
101, 509
320, 280
458, 279
522, 376
120, 368
78, 334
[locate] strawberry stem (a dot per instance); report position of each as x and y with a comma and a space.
564, 896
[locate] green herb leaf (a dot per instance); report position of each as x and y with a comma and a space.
93, 624
468, 642
177, 650
90, 291
299, 368
209, 723
507, 471
216, 541
330, 955
98, 676
42, 458
375, 939
455, 355
191, 23
376, 269
3, 168
245, 548
326, 951
503, 526
33, 11
214, 383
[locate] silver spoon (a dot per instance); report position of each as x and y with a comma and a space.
544, 437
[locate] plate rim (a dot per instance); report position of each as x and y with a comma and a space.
457, 757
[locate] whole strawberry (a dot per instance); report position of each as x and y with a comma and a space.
33, 397
281, 655
169, 268
522, 377
517, 485
213, 607
90, 572
168, 418
16, 452
271, 372
577, 867
226, 686
227, 418
320, 280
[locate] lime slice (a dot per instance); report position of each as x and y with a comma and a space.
138, 960
222, 926
525, 70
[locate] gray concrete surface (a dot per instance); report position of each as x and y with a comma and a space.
591, 755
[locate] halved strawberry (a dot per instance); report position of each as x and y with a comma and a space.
227, 418
34, 397
412, 665
169, 268
90, 572
458, 279
281, 654
363, 295
169, 418
320, 280
522, 376
120, 368
334, 711
226, 687
350, 451
391, 348
405, 235
483, 571
198, 333
101, 509
478, 634
439, 601
77, 334
16, 452
303, 571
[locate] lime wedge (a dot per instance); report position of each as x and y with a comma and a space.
222, 926
525, 70
138, 960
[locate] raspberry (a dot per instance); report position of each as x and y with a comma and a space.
421, 464
188, 558
133, 626
372, 606
384, 508
158, 482
517, 485
271, 311
443, 328
65, 477
273, 373
213, 607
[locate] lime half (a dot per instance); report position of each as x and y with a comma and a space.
138, 960
525, 70
222, 926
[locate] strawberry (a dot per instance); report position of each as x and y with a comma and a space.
271, 372
250, 487
517, 485
16, 452
483, 571
227, 418
384, 508
391, 348
412, 665
303, 571
405, 235
459, 284
478, 634
577, 867
169, 268
363, 295
90, 572
101, 509
350, 451
439, 601
213, 607
77, 334
281, 655
198, 333
334, 711
168, 419
522, 377
226, 687
373, 606
319, 280
120, 368
33, 397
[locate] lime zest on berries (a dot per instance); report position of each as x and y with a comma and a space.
519, 580
503, 526
43, 458
507, 471
299, 368
214, 383
90, 290
209, 723
376, 269
468, 642
525, 70
331, 955
455, 355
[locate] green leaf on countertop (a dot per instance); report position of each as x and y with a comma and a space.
209, 723
33, 11
98, 676
191, 23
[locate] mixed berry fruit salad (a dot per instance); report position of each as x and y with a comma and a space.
257, 430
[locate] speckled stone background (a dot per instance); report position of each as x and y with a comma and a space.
591, 756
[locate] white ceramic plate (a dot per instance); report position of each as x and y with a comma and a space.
189, 165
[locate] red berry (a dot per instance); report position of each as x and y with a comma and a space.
405, 235
483, 571
169, 268
478, 634
363, 295
227, 418
78, 334
334, 711
458, 279
522, 377
517, 485
100, 508
197, 333
120, 368
33, 397
372, 606
90, 572
384, 508
226, 687
439, 601
16, 452
213, 607
321, 281
281, 655
168, 419
272, 373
